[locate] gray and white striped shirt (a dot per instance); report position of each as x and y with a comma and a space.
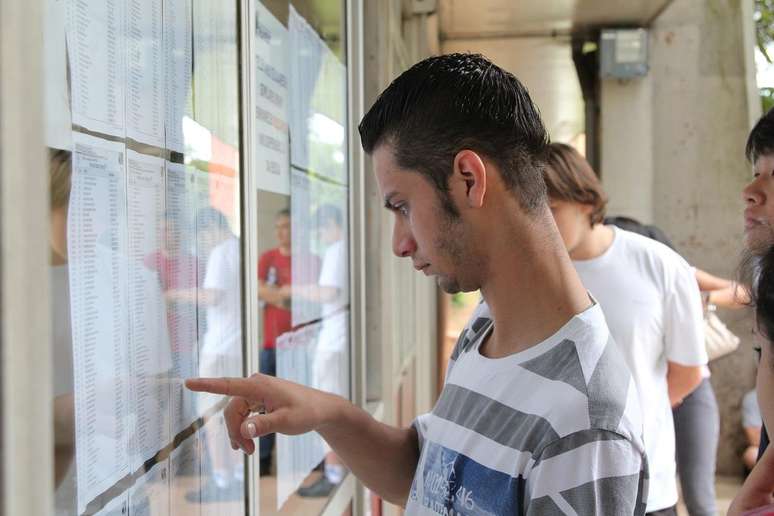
555, 429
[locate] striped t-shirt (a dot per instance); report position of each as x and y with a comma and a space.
554, 429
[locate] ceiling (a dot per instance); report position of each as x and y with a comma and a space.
512, 18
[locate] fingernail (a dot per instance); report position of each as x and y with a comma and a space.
251, 429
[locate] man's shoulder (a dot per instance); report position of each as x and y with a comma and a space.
642, 245
270, 254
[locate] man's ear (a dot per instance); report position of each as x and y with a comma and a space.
470, 170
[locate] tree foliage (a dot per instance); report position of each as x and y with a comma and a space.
764, 26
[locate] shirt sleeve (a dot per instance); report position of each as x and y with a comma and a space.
591, 472
264, 262
683, 318
221, 272
334, 267
751, 414
420, 425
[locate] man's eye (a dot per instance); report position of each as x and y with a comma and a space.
402, 209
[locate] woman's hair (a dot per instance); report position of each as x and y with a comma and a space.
59, 177
757, 276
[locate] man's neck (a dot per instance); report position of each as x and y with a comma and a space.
284, 251
594, 243
532, 291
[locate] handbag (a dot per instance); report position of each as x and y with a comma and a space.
718, 339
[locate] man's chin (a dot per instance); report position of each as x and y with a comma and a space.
447, 285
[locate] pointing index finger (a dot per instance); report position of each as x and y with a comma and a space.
243, 387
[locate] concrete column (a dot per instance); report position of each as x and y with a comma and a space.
626, 164
703, 104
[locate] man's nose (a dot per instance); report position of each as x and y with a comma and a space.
403, 244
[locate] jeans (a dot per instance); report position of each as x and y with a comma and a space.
697, 426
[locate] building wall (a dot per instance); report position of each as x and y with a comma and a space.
626, 165
544, 65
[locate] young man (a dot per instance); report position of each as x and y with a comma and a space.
539, 413
651, 303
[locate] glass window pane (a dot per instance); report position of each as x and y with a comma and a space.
142, 104
303, 231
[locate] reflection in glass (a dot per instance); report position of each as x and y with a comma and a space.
300, 78
145, 252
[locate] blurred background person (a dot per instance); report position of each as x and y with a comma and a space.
651, 303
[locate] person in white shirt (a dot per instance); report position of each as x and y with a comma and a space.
651, 302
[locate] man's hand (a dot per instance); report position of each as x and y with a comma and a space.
263, 405
384, 458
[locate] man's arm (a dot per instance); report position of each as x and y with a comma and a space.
204, 297
271, 294
681, 381
384, 458
684, 346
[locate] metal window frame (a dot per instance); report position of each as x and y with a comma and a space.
25, 367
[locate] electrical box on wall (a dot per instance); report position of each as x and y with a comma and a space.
623, 53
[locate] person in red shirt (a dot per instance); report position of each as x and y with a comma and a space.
274, 272
274, 278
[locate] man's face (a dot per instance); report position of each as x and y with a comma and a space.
437, 244
572, 219
282, 230
759, 201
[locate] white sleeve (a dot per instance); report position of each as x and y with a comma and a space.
334, 267
216, 277
683, 318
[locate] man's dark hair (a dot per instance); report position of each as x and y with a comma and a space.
449, 103
284, 212
761, 139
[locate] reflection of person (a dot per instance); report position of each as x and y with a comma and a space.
220, 352
651, 302
176, 269
274, 279
751, 423
330, 366
60, 172
538, 411
759, 236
